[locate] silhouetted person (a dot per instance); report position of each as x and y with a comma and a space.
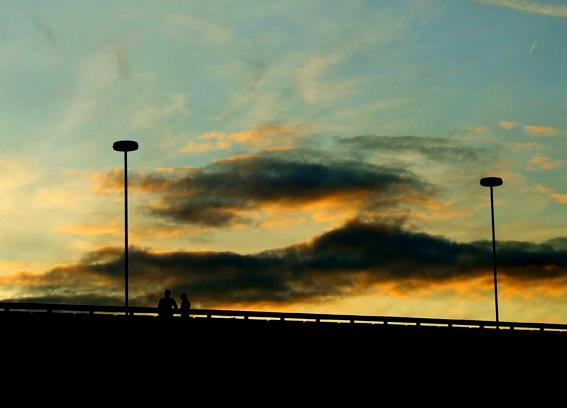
185, 306
166, 306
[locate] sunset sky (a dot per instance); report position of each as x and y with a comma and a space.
315, 156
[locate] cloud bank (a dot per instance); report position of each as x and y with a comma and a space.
226, 191
344, 261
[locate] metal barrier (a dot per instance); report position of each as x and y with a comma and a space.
7, 307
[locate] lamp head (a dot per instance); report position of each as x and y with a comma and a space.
491, 181
125, 146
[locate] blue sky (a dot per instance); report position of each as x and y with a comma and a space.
481, 83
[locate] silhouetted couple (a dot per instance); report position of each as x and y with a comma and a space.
167, 306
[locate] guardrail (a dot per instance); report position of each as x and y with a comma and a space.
281, 316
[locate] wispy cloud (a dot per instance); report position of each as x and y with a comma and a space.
538, 130
267, 136
15, 172
433, 148
96, 73
544, 163
504, 124
552, 194
532, 129
91, 229
209, 141
528, 6
195, 29
149, 114
316, 90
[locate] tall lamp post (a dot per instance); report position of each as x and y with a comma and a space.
125, 146
493, 182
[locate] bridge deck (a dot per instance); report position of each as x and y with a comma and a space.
117, 311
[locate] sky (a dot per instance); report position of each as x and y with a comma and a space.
319, 156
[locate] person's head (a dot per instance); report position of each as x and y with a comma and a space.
167, 293
184, 296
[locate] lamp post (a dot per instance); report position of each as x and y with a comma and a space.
493, 182
125, 146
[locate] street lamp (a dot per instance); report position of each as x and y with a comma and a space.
125, 146
493, 182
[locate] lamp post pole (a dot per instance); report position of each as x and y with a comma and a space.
125, 146
493, 182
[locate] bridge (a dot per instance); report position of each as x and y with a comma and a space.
82, 311
244, 340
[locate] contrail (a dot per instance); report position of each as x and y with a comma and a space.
532, 48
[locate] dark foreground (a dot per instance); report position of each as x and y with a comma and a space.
203, 338
267, 362
183, 357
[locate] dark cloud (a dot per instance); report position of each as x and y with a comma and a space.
343, 261
221, 193
433, 148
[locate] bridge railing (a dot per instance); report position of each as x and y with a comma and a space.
7, 307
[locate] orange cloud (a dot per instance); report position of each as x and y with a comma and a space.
473, 287
440, 215
202, 147
478, 129
562, 198
537, 130
265, 136
544, 163
211, 141
552, 288
269, 135
542, 189
90, 229
504, 124
334, 210
104, 183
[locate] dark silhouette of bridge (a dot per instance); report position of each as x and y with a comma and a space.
47, 311
242, 328
242, 342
